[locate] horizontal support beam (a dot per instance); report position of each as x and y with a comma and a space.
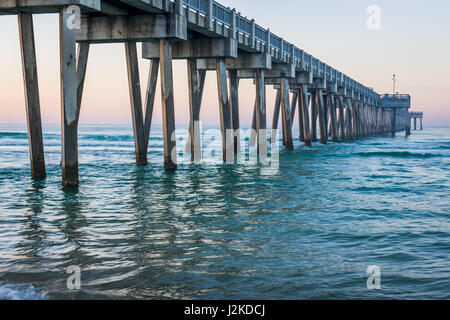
301, 78
195, 49
278, 71
46, 6
244, 61
332, 87
132, 28
320, 83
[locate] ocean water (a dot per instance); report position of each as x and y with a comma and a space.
308, 230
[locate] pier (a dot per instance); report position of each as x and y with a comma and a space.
210, 37
415, 116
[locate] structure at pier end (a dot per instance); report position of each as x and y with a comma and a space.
208, 36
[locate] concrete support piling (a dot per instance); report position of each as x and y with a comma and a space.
407, 123
313, 116
32, 102
234, 101
69, 105
305, 97
300, 116
137, 117
349, 119
340, 101
286, 113
261, 121
276, 116
168, 104
150, 99
225, 111
333, 116
196, 82
321, 113
82, 61
393, 122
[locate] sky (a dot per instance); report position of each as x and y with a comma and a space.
412, 42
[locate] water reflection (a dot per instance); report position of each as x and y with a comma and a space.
33, 236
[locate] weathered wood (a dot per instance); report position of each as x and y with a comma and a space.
333, 120
305, 97
276, 117
31, 86
196, 81
137, 117
286, 113
168, 105
321, 113
150, 99
69, 104
261, 121
234, 100
225, 111
82, 60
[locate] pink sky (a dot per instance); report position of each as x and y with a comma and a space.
412, 42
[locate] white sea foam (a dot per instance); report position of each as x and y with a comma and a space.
19, 292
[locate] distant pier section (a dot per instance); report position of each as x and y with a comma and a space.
416, 115
209, 37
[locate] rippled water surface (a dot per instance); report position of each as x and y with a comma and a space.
219, 231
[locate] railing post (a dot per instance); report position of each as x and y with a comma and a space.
178, 7
233, 24
209, 14
252, 37
268, 49
165, 5
281, 48
292, 53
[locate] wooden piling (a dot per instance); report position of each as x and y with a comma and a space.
286, 113
31, 87
225, 111
137, 117
168, 104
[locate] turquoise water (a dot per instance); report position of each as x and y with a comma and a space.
215, 231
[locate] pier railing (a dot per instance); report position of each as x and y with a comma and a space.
282, 50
